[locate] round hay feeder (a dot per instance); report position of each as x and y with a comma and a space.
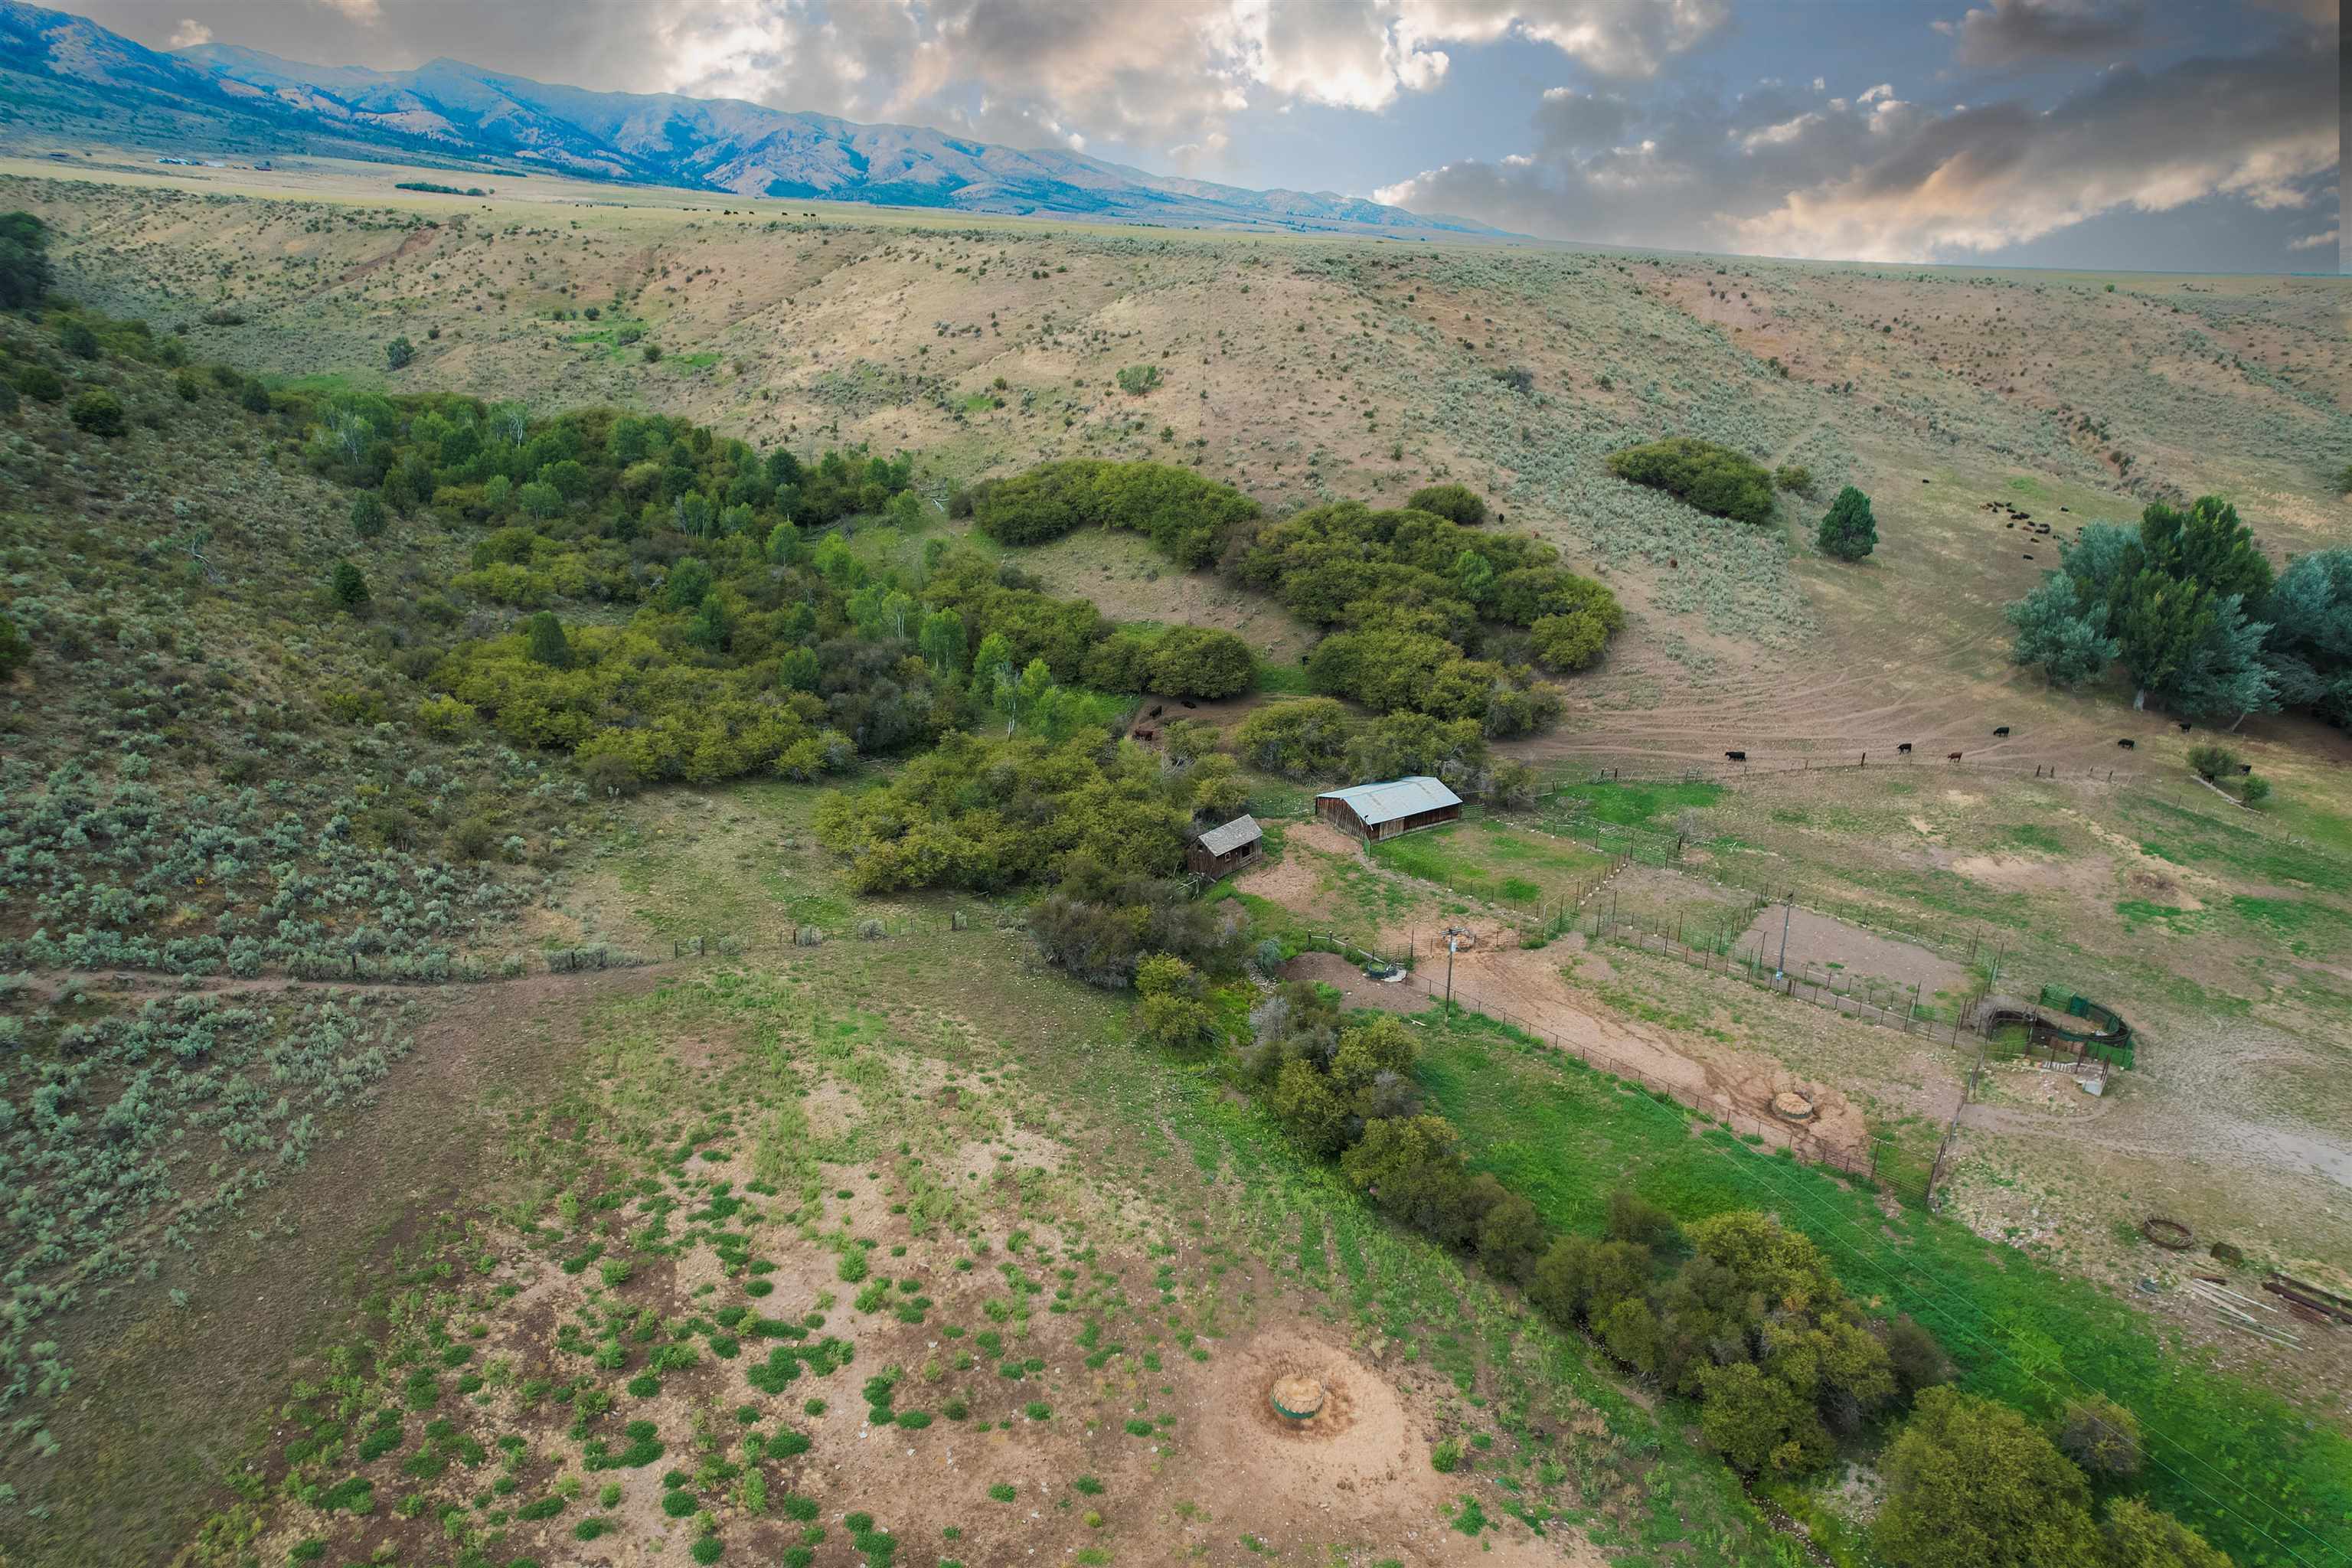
1794, 1105
1297, 1397
2168, 1234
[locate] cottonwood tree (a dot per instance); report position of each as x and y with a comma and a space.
2069, 643
2310, 645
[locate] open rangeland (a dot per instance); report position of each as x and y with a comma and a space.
438, 1134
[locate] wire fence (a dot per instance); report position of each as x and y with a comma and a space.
1876, 1153
1598, 769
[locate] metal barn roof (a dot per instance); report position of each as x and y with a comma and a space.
1377, 802
1224, 841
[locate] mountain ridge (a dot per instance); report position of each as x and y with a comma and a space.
64, 73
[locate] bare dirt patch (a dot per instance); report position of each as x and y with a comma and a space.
1832, 945
1353, 985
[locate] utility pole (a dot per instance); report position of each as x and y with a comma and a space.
1449, 974
1780, 969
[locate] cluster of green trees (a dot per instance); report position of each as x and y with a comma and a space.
1102, 825
1316, 738
2190, 606
1186, 516
1735, 1312
1438, 618
1712, 479
756, 638
1420, 598
993, 813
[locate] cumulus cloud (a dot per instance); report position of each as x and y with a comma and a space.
2028, 32
1167, 76
1881, 179
190, 33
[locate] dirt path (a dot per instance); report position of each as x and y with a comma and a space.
1526, 988
133, 983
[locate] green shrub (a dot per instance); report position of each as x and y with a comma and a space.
2211, 760
1138, 379
1187, 517
1712, 479
99, 412
1446, 1457
1455, 503
38, 381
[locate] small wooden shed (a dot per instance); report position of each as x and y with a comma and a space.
1376, 811
1222, 850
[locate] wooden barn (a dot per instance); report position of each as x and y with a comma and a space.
1222, 850
1377, 811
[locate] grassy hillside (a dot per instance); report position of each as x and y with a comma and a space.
853, 1220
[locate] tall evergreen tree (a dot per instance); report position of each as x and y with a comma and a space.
547, 644
1848, 530
2205, 545
347, 587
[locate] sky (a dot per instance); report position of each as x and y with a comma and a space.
2096, 134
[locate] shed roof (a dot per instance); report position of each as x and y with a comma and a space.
1224, 841
1374, 802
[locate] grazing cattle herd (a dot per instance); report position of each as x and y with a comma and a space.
1903, 749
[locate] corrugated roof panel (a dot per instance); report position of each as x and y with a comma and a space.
1375, 802
1224, 841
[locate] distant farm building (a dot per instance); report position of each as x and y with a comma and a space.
1376, 811
1220, 849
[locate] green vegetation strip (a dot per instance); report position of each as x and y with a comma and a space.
2259, 1479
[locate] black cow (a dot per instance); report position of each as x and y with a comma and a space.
2128, 743
2245, 767
1735, 756
1188, 702
1952, 757
1904, 749
1158, 709
2000, 729
2184, 726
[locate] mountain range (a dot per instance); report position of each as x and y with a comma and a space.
65, 77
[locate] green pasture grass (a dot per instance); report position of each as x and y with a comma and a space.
1640, 803
2250, 1471
1493, 860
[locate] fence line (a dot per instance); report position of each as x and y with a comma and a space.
1594, 770
1713, 1102
1749, 966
